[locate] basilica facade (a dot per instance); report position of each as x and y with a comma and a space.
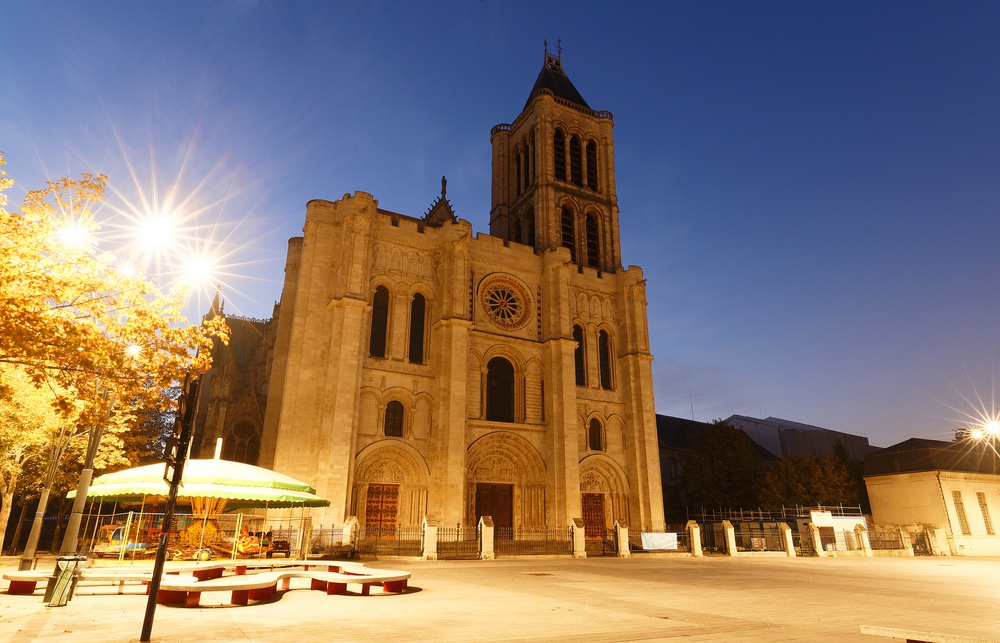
415, 369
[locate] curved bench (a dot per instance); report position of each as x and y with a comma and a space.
26, 582
187, 589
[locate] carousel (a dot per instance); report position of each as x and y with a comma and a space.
230, 511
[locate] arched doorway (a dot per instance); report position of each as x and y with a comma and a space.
390, 487
603, 494
505, 479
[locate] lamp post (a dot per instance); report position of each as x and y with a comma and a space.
175, 457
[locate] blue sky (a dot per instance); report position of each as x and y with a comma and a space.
812, 188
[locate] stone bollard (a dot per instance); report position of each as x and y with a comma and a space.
730, 536
349, 531
579, 538
866, 543
939, 541
621, 541
694, 538
817, 542
787, 539
904, 537
430, 541
486, 551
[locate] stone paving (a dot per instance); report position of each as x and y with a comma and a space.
557, 599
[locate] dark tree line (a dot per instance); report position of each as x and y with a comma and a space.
728, 470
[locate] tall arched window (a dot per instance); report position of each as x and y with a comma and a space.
499, 390
595, 438
393, 426
529, 228
559, 154
380, 322
575, 160
569, 231
604, 359
593, 242
592, 165
515, 229
242, 444
578, 353
517, 173
417, 310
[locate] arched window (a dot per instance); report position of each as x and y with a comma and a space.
380, 322
417, 308
499, 390
569, 231
529, 228
592, 165
517, 172
515, 229
242, 444
393, 426
594, 436
604, 358
575, 160
593, 242
578, 353
559, 154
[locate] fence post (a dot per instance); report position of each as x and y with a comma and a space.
938, 538
430, 541
486, 551
788, 539
579, 538
864, 539
348, 532
621, 541
817, 542
904, 538
694, 538
730, 536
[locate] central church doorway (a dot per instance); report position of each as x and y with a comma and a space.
497, 501
593, 515
381, 507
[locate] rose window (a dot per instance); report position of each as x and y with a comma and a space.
506, 304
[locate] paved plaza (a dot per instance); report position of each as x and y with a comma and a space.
559, 599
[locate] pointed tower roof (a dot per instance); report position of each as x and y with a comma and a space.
553, 79
440, 211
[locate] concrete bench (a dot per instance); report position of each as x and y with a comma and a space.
918, 636
187, 589
25, 582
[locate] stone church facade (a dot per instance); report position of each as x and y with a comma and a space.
417, 369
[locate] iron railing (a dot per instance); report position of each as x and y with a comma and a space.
391, 541
532, 541
458, 542
605, 545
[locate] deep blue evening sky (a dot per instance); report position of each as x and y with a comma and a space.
811, 188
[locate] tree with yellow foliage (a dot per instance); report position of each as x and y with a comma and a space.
99, 340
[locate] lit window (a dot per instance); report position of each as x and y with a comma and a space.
986, 512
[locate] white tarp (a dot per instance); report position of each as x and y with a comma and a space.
659, 541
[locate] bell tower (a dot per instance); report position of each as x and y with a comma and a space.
554, 174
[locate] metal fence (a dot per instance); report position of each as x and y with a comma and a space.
605, 545
713, 538
758, 536
455, 543
885, 538
391, 541
533, 541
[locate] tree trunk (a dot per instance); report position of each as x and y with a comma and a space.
6, 500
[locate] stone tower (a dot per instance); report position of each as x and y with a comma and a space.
421, 370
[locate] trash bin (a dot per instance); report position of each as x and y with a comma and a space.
62, 582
